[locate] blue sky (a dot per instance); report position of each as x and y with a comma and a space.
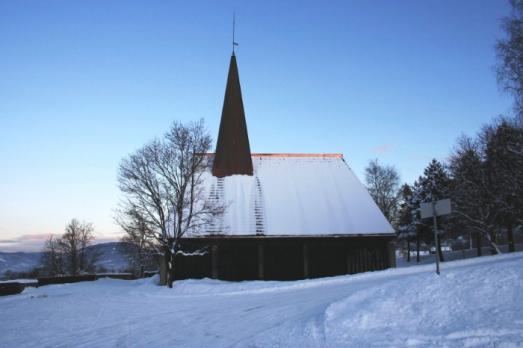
83, 84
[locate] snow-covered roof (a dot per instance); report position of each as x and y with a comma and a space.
294, 195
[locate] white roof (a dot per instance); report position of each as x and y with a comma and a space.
295, 195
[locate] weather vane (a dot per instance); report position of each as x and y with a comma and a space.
234, 43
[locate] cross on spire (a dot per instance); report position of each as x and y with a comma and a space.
234, 43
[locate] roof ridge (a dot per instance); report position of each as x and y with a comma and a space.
263, 154
336, 155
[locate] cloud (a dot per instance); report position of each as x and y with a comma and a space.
34, 237
7, 241
26, 242
383, 148
35, 242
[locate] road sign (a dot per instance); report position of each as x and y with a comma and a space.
442, 207
434, 209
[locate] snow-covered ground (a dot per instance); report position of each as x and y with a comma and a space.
474, 303
427, 257
25, 281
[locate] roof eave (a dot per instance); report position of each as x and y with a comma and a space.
265, 236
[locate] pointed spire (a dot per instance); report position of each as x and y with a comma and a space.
233, 152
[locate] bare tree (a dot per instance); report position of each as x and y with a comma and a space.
383, 185
137, 244
163, 183
74, 242
509, 133
510, 56
52, 261
69, 254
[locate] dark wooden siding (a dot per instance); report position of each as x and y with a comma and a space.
194, 267
238, 261
282, 258
327, 258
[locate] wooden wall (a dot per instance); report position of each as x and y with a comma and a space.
282, 258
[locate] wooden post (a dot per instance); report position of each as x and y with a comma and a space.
305, 261
478, 243
510, 233
214, 261
392, 254
260, 261
163, 269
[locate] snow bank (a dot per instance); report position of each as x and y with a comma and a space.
471, 308
475, 302
24, 281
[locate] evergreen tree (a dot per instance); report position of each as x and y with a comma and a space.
434, 185
406, 220
472, 192
505, 168
420, 229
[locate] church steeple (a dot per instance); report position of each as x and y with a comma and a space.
233, 152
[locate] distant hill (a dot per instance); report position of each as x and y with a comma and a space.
110, 258
18, 262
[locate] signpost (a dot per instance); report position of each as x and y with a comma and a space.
442, 208
434, 209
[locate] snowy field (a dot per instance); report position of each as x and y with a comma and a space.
474, 303
426, 257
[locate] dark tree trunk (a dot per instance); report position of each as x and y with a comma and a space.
74, 265
171, 274
510, 235
417, 248
493, 239
440, 252
478, 243
408, 250
168, 267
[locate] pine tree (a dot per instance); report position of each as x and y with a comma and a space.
420, 229
406, 223
505, 168
434, 185
473, 194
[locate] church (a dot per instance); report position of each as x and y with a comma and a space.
288, 215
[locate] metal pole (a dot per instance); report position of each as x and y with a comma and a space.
233, 27
435, 233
